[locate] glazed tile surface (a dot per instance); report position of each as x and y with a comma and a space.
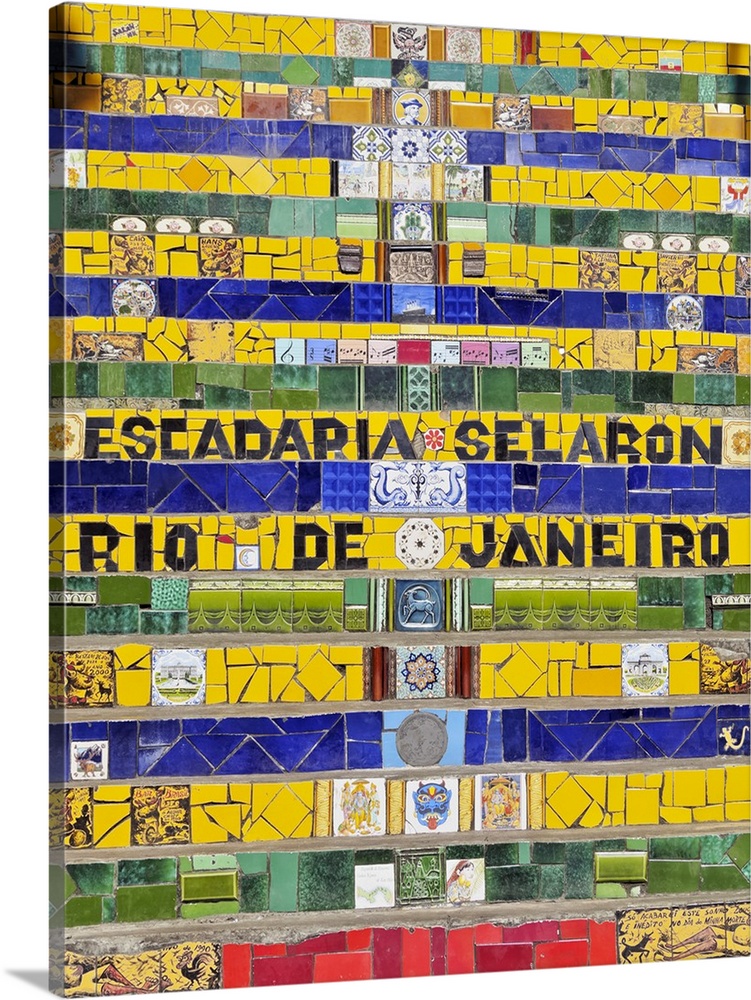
399, 499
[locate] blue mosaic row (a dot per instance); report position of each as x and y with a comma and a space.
301, 140
168, 748
121, 487
365, 302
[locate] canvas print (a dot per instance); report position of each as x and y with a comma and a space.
399, 487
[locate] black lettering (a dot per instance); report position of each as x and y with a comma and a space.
394, 431
212, 433
659, 444
691, 442
290, 439
476, 449
361, 433
144, 538
93, 440
602, 545
558, 545
615, 429
479, 559
302, 560
519, 539
170, 426
189, 537
539, 452
142, 431
90, 555
506, 434
247, 428
643, 545
323, 446
714, 544
677, 540
586, 434
342, 546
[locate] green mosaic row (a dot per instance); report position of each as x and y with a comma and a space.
213, 885
252, 215
333, 71
137, 605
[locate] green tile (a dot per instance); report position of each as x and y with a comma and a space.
579, 883
254, 893
212, 373
87, 379
740, 852
675, 848
169, 593
299, 72
539, 402
283, 882
112, 620
260, 62
512, 882
295, 376
109, 909
498, 389
454, 852
222, 397
694, 604
544, 853
252, 864
184, 380
149, 871
552, 881
539, 380
83, 910
111, 379
208, 886
673, 876
124, 590
653, 387
164, 622
146, 902
338, 387
594, 404
683, 388
715, 389
610, 890
144, 378
457, 387
192, 911
743, 390
295, 399
93, 879
723, 878
663, 86
625, 866
282, 217
67, 621
258, 376
327, 880
161, 62
214, 862
660, 618
501, 854
660, 590
689, 87
356, 591
379, 387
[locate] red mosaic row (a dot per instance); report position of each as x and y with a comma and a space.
391, 953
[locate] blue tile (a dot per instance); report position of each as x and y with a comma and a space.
182, 759
486, 147
693, 501
649, 502
638, 477
158, 732
488, 487
514, 734
670, 477
121, 499
604, 489
733, 489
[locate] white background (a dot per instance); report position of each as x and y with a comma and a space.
23, 241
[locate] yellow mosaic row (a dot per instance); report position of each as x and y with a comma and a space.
354, 105
140, 434
292, 674
158, 26
120, 816
250, 342
312, 178
390, 543
314, 258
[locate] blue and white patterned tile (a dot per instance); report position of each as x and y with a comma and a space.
420, 672
418, 487
371, 142
448, 146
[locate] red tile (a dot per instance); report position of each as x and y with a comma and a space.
282, 971
542, 930
235, 965
261, 950
561, 954
321, 943
574, 929
416, 951
387, 953
358, 940
602, 947
264, 106
338, 968
413, 352
438, 951
461, 951
555, 119
503, 957
488, 934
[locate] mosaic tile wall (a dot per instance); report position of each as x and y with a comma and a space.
399, 500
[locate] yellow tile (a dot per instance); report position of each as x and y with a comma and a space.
133, 688
642, 806
737, 783
689, 788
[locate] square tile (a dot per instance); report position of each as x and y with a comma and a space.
501, 802
375, 886
421, 877
420, 672
178, 676
432, 806
359, 807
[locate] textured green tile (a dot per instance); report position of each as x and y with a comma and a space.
338, 387
610, 890
653, 387
694, 606
673, 876
295, 376
83, 910
512, 882
382, 856
144, 378
223, 397
258, 376
660, 590
539, 380
544, 853
498, 389
146, 902
149, 871
87, 379
261, 62
740, 852
124, 590
212, 373
93, 879
327, 880
660, 618
675, 848
663, 86
161, 62
164, 622
723, 878
254, 893
501, 854
112, 620
552, 881
457, 387
579, 871
689, 87
454, 852
715, 389
208, 886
